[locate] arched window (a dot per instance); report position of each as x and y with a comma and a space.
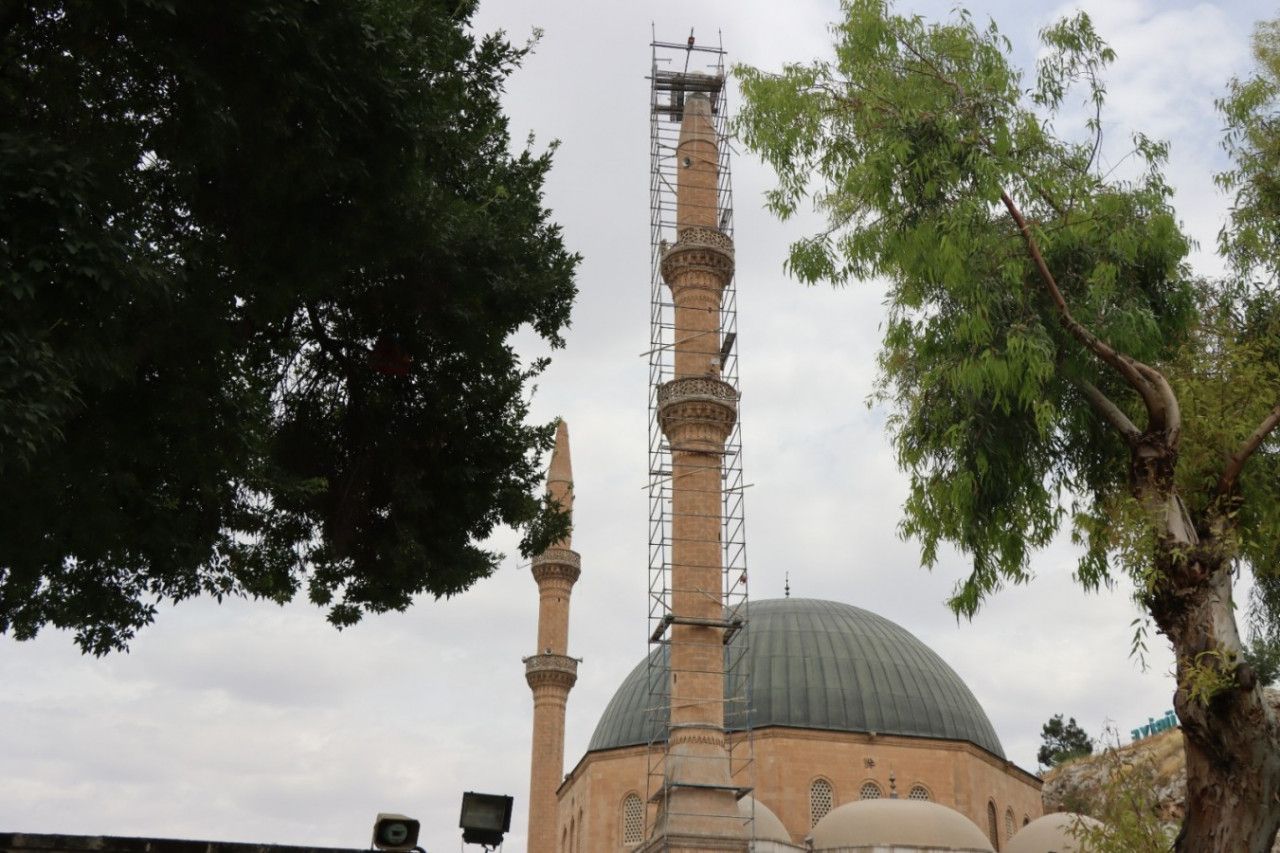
869, 791
821, 798
564, 840
1009, 823
1025, 820
632, 820
573, 836
918, 792
578, 842
993, 829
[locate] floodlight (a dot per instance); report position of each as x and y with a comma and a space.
395, 832
485, 818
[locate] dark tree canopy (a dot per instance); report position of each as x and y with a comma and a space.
1061, 742
259, 266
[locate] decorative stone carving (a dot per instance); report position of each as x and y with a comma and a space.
549, 670
559, 564
681, 735
700, 249
706, 237
700, 387
697, 413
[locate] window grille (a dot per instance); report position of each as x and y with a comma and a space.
821, 799
870, 791
1008, 823
632, 820
918, 792
992, 827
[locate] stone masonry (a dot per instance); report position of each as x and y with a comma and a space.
551, 673
697, 411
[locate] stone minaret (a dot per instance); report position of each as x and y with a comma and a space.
697, 412
551, 673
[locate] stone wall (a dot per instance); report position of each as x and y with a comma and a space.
787, 762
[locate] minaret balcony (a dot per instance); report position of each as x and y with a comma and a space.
704, 251
557, 564
552, 670
697, 413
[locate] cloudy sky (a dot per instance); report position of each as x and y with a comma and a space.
249, 722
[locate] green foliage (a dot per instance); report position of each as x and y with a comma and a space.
913, 142
259, 265
1207, 676
1251, 108
1262, 654
1127, 805
1060, 742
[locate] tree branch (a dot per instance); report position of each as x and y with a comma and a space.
1127, 367
1109, 411
1235, 462
328, 344
1173, 411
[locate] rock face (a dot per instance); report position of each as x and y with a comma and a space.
1081, 785
1151, 771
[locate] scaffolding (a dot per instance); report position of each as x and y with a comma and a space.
679, 69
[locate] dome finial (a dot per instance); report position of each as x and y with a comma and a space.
786, 587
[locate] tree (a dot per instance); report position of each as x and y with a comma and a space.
1049, 357
259, 266
1061, 742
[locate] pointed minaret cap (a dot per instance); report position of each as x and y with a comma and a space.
561, 470
560, 473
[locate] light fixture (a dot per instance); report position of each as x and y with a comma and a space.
395, 832
485, 818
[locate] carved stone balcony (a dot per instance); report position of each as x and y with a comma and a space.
557, 564
697, 413
704, 251
550, 670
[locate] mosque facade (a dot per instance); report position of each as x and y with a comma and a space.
856, 730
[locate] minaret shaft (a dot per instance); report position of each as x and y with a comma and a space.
697, 412
697, 292
551, 673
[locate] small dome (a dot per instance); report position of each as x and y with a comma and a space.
767, 825
1050, 834
903, 824
824, 665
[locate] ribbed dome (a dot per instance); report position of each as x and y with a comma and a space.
898, 824
825, 665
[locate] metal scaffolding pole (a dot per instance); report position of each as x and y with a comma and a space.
677, 70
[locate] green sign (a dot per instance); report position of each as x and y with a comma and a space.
1154, 726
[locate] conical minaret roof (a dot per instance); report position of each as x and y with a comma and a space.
560, 477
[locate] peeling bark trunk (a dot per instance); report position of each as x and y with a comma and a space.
1230, 731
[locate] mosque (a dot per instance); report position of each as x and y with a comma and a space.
766, 725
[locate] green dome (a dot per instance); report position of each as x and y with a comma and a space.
817, 664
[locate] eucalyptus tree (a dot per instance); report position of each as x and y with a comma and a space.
1049, 358
260, 264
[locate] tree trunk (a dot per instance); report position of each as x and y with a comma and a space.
1230, 731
